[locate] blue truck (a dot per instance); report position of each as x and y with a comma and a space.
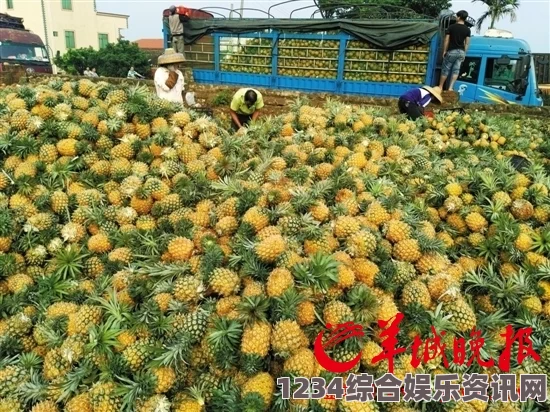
379, 58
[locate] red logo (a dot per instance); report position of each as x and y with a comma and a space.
339, 333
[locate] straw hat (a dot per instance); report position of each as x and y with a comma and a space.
170, 56
435, 92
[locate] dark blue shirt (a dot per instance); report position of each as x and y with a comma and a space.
419, 97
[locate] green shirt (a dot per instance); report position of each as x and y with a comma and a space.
238, 105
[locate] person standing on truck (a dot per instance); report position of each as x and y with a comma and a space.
168, 78
414, 101
245, 107
457, 41
176, 28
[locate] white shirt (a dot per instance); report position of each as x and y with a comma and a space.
175, 95
423, 94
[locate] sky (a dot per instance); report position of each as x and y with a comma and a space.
532, 23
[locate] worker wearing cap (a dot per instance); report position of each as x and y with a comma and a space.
414, 101
176, 28
245, 107
168, 78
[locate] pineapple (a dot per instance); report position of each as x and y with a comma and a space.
256, 339
288, 337
302, 363
188, 289
103, 397
407, 250
396, 231
462, 315
337, 312
269, 249
180, 248
262, 384
279, 280
225, 282
416, 292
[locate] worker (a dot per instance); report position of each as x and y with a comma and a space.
176, 27
168, 78
132, 74
457, 41
414, 101
245, 107
87, 72
93, 72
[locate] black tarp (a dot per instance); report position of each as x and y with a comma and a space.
385, 34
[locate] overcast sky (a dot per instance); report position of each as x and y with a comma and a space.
533, 16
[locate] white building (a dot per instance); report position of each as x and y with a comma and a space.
67, 24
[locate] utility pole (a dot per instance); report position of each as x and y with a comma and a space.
231, 12
242, 8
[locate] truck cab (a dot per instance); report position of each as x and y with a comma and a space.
498, 70
21, 47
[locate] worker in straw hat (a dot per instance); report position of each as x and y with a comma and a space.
414, 101
168, 78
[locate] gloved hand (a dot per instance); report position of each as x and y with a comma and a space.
172, 79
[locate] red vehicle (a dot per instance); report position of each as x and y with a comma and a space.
19, 46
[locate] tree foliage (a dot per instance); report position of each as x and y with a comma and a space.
382, 9
496, 10
112, 61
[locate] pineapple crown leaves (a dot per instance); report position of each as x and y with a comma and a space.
7, 224
302, 199
226, 397
320, 272
253, 309
29, 361
285, 306
213, 258
140, 387
75, 379
506, 291
49, 289
34, 389
10, 346
160, 271
492, 321
225, 336
7, 263
174, 353
428, 244
228, 186
252, 402
117, 312
363, 303
103, 338
69, 262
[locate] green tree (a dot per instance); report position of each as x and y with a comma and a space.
112, 61
380, 9
497, 9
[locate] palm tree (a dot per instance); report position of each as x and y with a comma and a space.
497, 10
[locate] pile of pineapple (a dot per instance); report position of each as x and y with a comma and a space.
364, 62
151, 261
318, 59
246, 56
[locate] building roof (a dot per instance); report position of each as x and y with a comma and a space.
122, 16
150, 43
